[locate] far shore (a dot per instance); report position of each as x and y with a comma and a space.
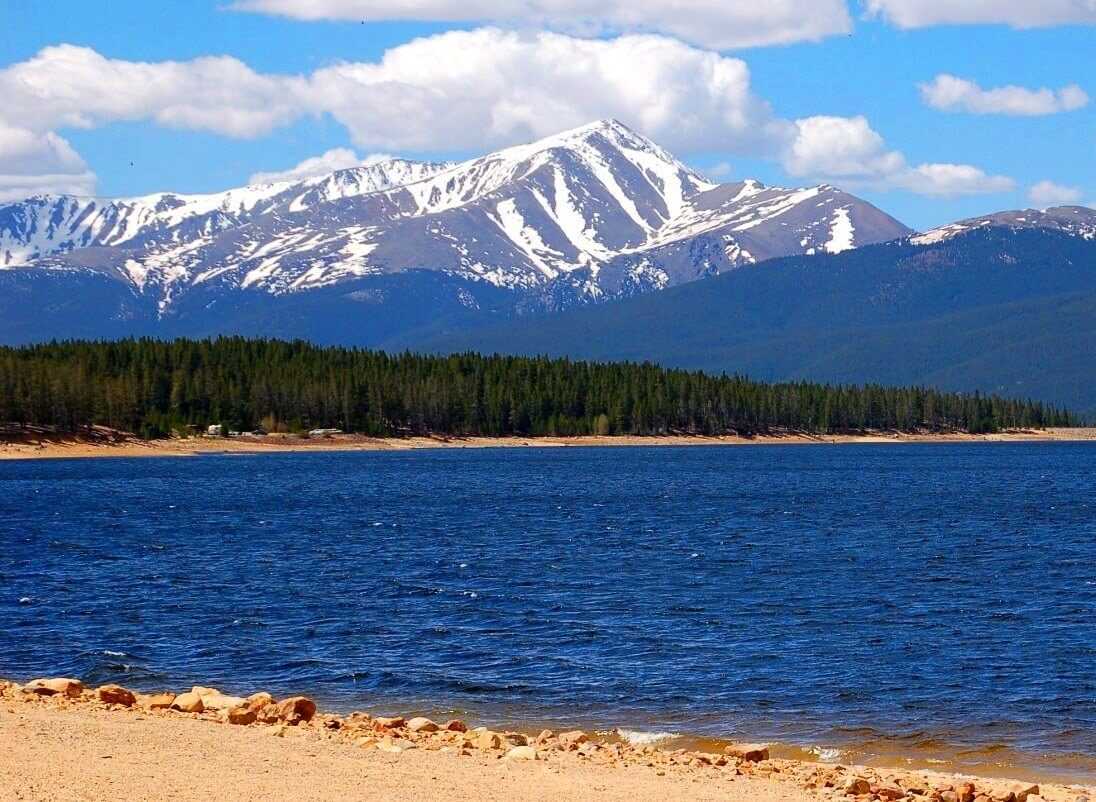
60, 740
103, 443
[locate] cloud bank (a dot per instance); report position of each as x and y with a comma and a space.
1047, 193
949, 93
456, 91
719, 24
1015, 13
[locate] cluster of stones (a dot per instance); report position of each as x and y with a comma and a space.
881, 785
395, 735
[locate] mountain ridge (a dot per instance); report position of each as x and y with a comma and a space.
557, 210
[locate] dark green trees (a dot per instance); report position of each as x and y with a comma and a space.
152, 388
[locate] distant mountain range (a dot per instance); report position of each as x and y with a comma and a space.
1005, 306
588, 215
522, 250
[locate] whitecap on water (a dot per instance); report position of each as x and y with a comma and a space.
25, 600
642, 738
825, 754
109, 653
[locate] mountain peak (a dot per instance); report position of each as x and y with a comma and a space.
1079, 221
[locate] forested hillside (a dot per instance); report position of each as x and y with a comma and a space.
1003, 311
154, 388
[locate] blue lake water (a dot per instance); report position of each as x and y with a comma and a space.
933, 601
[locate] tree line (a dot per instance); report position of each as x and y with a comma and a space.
156, 388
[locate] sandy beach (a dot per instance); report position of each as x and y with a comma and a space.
61, 741
103, 443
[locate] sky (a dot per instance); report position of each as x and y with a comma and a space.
934, 110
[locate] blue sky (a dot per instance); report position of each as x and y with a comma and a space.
92, 121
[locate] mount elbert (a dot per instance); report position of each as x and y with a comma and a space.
519, 251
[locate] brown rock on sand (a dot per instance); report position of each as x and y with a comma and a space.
213, 699
522, 753
116, 695
57, 685
388, 722
455, 725
296, 709
242, 714
188, 703
751, 753
1021, 791
157, 701
422, 724
572, 739
488, 740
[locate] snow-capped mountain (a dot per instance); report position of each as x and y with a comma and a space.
600, 207
1079, 221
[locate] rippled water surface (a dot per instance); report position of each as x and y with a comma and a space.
933, 601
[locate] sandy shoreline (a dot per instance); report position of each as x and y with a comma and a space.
61, 741
38, 446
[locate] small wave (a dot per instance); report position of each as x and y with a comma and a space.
109, 653
641, 738
826, 754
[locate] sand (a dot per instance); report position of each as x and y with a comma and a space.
38, 446
86, 746
61, 755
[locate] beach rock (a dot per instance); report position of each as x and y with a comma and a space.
887, 791
212, 699
544, 737
522, 753
488, 740
1022, 791
573, 739
57, 685
242, 715
394, 745
855, 786
388, 722
257, 701
516, 739
965, 792
116, 695
456, 725
751, 753
188, 703
157, 701
296, 709
422, 724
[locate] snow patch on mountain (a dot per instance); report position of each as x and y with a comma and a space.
1079, 221
521, 218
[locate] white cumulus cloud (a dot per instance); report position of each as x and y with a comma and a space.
1047, 193
849, 151
33, 163
949, 93
325, 163
458, 91
720, 24
70, 86
1015, 13
490, 87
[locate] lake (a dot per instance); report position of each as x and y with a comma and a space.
931, 602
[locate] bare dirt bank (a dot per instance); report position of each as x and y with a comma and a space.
38, 445
60, 741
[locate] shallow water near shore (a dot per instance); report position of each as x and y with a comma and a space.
925, 603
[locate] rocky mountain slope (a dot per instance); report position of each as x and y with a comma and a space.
589, 214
